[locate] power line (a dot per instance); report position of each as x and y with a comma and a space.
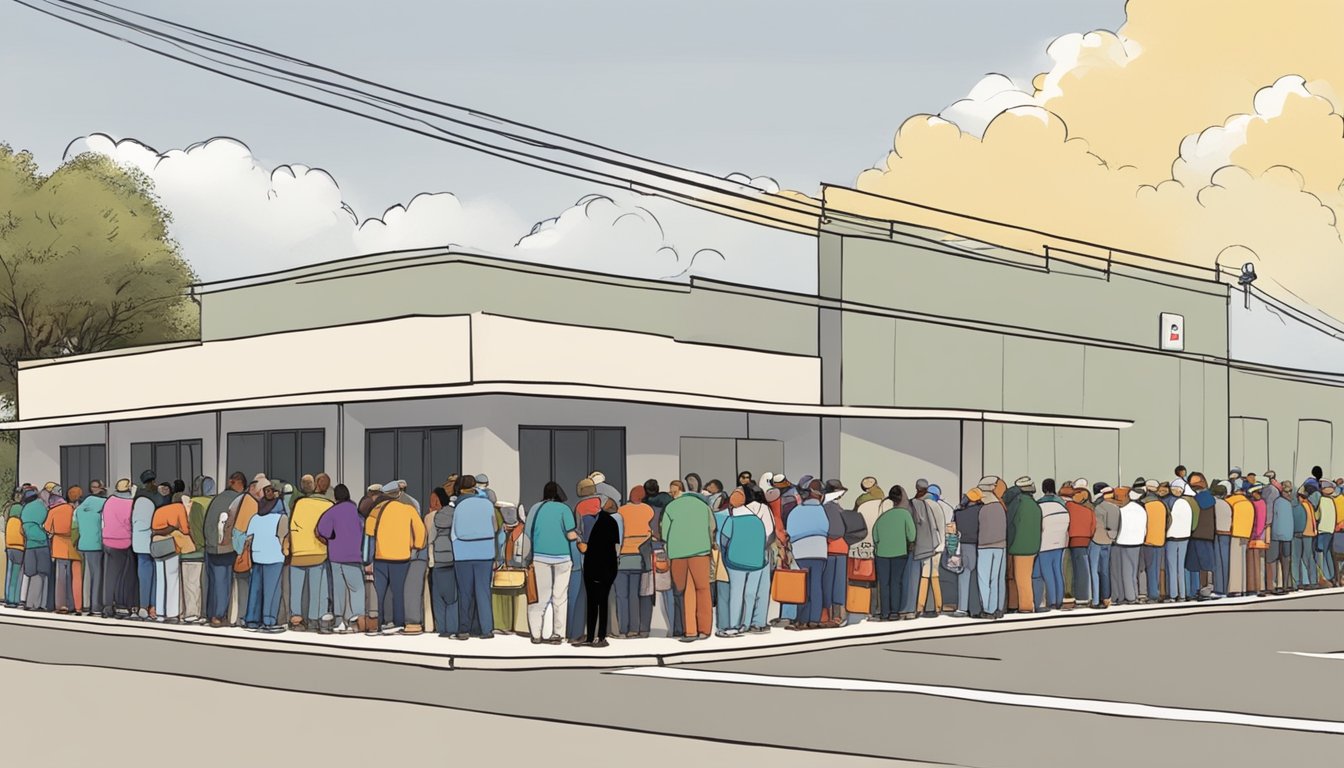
693, 188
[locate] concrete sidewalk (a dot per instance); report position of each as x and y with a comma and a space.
517, 653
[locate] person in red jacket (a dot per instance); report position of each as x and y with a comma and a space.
1082, 526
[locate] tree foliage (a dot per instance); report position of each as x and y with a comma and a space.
86, 263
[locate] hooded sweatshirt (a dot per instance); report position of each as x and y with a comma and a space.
1108, 523
1204, 529
60, 523
34, 518
894, 533
343, 529
89, 520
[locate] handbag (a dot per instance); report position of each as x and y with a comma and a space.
508, 578
162, 546
858, 598
789, 586
530, 582
243, 563
862, 569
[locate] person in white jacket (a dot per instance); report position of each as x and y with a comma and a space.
1128, 542
1178, 540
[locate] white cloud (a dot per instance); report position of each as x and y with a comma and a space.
234, 216
991, 97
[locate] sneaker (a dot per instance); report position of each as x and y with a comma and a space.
412, 629
486, 637
759, 630
554, 640
461, 636
959, 614
252, 627
273, 629
728, 633
599, 644
578, 643
535, 640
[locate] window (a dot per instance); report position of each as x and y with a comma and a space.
169, 460
567, 455
281, 454
82, 463
422, 456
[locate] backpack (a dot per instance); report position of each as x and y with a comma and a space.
474, 527
746, 543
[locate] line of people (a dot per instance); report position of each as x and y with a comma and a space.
269, 557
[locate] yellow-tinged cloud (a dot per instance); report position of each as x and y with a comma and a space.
1199, 129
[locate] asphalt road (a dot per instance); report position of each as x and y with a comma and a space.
1224, 689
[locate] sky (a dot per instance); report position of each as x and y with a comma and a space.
804, 93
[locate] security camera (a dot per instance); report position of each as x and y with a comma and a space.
1247, 274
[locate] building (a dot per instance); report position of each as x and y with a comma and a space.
943, 349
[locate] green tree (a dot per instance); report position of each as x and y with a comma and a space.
86, 265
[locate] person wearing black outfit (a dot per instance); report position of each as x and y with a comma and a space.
599, 573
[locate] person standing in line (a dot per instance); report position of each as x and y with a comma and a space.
147, 499
396, 530
170, 531
808, 529
1201, 563
1049, 565
601, 555
1129, 543
119, 579
1243, 522
552, 529
474, 552
1258, 544
1279, 527
1082, 528
59, 527
835, 578
37, 565
88, 530
894, 536
1304, 536
193, 562
1155, 538
1099, 554
586, 505
742, 541
217, 530
719, 506
967, 521
634, 609
1181, 513
687, 528
268, 530
510, 603
1024, 539
341, 530
14, 545
991, 553
1222, 543
308, 564
1326, 519
442, 577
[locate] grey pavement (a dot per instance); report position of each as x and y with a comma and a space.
1224, 662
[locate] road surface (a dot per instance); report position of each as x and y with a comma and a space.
1250, 687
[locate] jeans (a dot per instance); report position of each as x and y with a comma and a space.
1050, 563
890, 584
13, 575
168, 586
65, 585
314, 579
967, 581
1175, 552
552, 593
473, 596
991, 565
417, 572
389, 578
810, 611
37, 566
92, 587
836, 576
1279, 565
578, 605
218, 584
1099, 572
1221, 545
1082, 575
634, 612
742, 589
347, 591
757, 613
192, 573
144, 569
722, 617
1324, 542
1153, 557
443, 599
910, 589
598, 587
1129, 572
263, 597
1304, 562
118, 579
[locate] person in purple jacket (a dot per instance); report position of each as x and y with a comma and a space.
342, 530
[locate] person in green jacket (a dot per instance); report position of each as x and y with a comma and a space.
687, 526
893, 536
1024, 541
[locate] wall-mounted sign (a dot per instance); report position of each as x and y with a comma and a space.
1171, 328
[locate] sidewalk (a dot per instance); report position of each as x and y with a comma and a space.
518, 653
